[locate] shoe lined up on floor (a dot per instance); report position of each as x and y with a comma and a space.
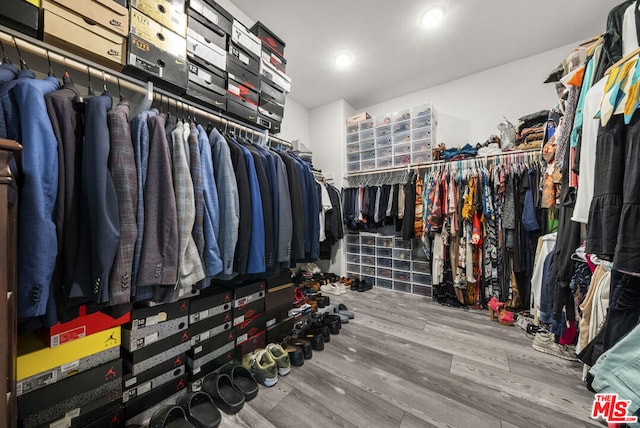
280, 357
201, 410
262, 365
225, 395
498, 308
242, 380
170, 417
545, 341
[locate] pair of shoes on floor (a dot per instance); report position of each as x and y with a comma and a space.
545, 341
334, 288
498, 308
361, 285
266, 364
524, 321
298, 349
231, 388
341, 310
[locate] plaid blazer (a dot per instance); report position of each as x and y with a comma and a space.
122, 165
198, 192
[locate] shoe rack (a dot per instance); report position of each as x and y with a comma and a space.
391, 140
388, 262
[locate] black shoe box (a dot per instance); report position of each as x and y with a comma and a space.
143, 402
207, 86
207, 29
247, 293
210, 350
278, 302
270, 109
146, 61
212, 301
269, 56
20, 16
148, 357
110, 415
241, 110
250, 327
210, 327
243, 76
200, 46
133, 340
195, 379
239, 56
248, 311
241, 94
275, 78
213, 15
273, 126
284, 277
142, 317
279, 331
258, 340
241, 37
273, 94
152, 378
72, 397
268, 39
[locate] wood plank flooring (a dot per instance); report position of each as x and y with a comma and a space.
406, 362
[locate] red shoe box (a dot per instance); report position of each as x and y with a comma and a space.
84, 325
258, 340
249, 328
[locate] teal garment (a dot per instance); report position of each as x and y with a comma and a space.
617, 371
586, 85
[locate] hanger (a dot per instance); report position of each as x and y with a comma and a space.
23, 63
66, 77
5, 58
622, 60
50, 73
121, 95
105, 90
90, 90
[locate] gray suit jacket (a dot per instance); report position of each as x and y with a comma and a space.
285, 227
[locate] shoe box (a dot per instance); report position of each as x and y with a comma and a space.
284, 277
242, 110
158, 35
147, 316
148, 357
258, 340
274, 77
167, 371
74, 397
36, 358
20, 16
238, 55
241, 94
208, 86
110, 415
213, 301
273, 59
209, 350
197, 376
280, 330
214, 17
168, 13
61, 372
243, 38
210, 327
82, 326
273, 126
200, 46
248, 293
243, 76
269, 40
133, 340
136, 408
94, 40
278, 302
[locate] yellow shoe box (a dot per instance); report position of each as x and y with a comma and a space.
34, 356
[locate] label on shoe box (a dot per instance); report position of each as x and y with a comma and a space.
148, 316
196, 378
147, 386
213, 301
196, 364
143, 402
131, 381
132, 340
242, 301
248, 311
155, 359
169, 13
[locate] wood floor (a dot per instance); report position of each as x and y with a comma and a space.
405, 361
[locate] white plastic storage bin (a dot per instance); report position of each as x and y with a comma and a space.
384, 252
368, 260
352, 128
403, 138
384, 263
384, 163
403, 126
402, 159
353, 148
353, 238
365, 124
368, 251
368, 155
402, 115
420, 122
353, 269
368, 240
368, 270
404, 265
421, 279
383, 120
421, 146
384, 272
354, 259
421, 290
383, 130
422, 110
384, 141
384, 283
402, 243
353, 157
401, 149
367, 134
401, 254
402, 276
418, 134
353, 167
421, 157
352, 138
402, 286
384, 152
384, 241
367, 145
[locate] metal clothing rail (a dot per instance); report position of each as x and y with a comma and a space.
512, 154
103, 74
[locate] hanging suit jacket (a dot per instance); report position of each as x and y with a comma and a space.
297, 208
140, 138
189, 261
213, 263
272, 180
122, 165
195, 166
228, 198
10, 126
159, 253
285, 222
37, 240
100, 228
244, 194
68, 127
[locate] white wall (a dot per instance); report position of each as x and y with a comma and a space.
295, 125
470, 108
327, 136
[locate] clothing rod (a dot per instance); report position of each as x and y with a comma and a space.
281, 141
68, 60
427, 164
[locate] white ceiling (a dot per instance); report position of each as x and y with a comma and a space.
394, 56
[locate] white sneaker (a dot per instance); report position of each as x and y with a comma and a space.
330, 289
341, 288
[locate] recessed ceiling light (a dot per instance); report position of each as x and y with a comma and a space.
343, 60
432, 17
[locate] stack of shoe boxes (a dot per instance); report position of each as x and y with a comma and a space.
243, 66
78, 383
212, 334
157, 43
208, 31
21, 15
249, 318
274, 83
94, 29
278, 304
154, 347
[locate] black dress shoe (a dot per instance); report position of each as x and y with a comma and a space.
170, 417
201, 410
242, 380
316, 338
296, 356
333, 322
305, 345
324, 330
220, 388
